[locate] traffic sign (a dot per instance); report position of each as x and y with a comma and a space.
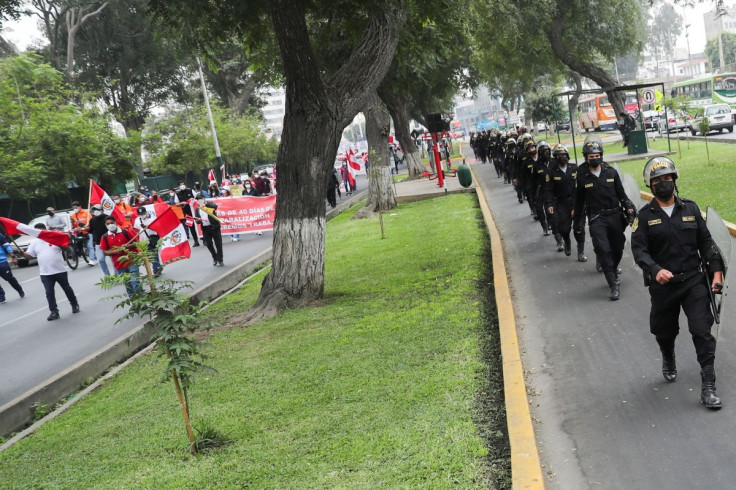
648, 96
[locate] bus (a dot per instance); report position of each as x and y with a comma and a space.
597, 113
711, 89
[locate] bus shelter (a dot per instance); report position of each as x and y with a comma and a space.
618, 88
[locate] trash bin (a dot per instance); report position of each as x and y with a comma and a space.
464, 176
637, 142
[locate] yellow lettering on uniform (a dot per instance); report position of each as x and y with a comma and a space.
547, 178
659, 165
609, 180
588, 185
654, 222
688, 218
558, 178
540, 171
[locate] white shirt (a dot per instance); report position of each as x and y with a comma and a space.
668, 209
597, 173
140, 221
50, 260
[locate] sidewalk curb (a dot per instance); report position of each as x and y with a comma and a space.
19, 412
526, 468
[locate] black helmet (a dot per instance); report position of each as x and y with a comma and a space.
592, 144
528, 143
657, 167
543, 145
560, 150
511, 142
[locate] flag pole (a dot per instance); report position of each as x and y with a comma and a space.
209, 114
89, 196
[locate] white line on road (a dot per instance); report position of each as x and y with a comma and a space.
30, 313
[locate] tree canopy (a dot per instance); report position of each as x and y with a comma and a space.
729, 50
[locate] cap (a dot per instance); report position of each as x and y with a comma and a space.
50, 208
97, 206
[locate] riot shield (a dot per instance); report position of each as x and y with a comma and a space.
632, 190
723, 241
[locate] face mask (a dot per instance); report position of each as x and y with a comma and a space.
562, 161
182, 187
50, 213
116, 201
112, 227
664, 190
247, 187
96, 213
595, 162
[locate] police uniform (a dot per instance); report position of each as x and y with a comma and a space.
601, 199
527, 181
540, 179
676, 243
561, 192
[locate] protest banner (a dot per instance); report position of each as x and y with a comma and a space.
245, 214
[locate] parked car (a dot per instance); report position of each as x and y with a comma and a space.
541, 126
563, 125
678, 121
651, 120
22, 241
719, 118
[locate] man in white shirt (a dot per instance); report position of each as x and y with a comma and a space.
52, 271
144, 219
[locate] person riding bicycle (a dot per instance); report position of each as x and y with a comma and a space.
80, 224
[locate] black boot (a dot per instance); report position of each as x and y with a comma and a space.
611, 279
669, 367
708, 389
568, 248
598, 266
558, 239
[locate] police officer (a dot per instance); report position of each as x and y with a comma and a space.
513, 166
668, 241
561, 193
600, 195
526, 178
540, 180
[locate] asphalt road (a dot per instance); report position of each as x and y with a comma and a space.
604, 416
33, 349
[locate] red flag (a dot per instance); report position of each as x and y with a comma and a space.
13, 227
98, 195
211, 176
167, 225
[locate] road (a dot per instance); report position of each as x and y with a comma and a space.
33, 349
605, 417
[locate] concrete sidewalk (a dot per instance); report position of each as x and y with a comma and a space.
605, 416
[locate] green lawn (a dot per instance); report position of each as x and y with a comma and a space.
392, 381
707, 184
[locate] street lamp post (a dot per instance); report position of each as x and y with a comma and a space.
689, 60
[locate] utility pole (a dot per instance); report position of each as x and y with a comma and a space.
209, 114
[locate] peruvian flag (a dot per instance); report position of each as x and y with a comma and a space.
211, 176
97, 195
58, 238
352, 167
175, 244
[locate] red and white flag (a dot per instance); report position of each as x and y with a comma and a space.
13, 227
97, 195
352, 167
175, 245
211, 176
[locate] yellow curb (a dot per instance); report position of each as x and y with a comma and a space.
526, 469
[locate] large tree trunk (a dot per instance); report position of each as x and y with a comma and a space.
397, 108
573, 104
316, 114
381, 195
75, 18
594, 72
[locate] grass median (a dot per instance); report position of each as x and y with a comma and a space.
707, 184
392, 381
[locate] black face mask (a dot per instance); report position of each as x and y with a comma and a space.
562, 161
595, 162
664, 190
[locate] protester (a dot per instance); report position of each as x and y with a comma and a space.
121, 237
141, 223
210, 228
54, 222
5, 272
226, 193
181, 198
52, 270
125, 209
80, 222
98, 229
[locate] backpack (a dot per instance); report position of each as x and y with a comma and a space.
107, 240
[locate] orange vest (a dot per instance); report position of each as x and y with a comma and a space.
81, 219
127, 211
178, 211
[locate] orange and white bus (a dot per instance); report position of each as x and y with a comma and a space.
597, 113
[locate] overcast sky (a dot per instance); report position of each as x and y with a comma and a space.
25, 32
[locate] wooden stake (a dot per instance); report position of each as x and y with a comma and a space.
184, 410
380, 219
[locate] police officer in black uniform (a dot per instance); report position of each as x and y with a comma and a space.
540, 179
600, 195
668, 241
513, 166
526, 179
561, 193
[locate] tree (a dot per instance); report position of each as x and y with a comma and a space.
729, 49
665, 29
48, 143
180, 141
546, 106
320, 102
